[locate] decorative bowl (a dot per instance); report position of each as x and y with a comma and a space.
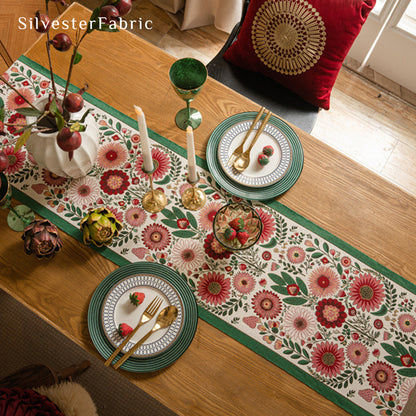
233, 219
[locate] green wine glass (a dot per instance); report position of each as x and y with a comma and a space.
187, 76
20, 216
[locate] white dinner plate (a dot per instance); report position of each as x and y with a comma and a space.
117, 308
256, 175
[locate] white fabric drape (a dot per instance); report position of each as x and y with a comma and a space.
188, 14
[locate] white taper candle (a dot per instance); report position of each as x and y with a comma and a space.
144, 140
192, 176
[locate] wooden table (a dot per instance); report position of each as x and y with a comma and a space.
216, 375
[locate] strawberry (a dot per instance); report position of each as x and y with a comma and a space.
242, 236
137, 298
268, 150
263, 159
237, 223
124, 329
230, 234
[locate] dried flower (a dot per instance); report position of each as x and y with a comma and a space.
41, 238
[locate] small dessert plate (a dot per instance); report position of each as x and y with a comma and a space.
256, 175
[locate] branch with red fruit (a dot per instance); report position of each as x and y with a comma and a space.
56, 116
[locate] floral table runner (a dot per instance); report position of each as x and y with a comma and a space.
302, 298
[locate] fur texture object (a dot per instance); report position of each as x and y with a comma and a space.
71, 398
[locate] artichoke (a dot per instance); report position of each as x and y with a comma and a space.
99, 226
41, 237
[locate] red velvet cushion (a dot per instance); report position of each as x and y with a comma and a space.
300, 44
26, 402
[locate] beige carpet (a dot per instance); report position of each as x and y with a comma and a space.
27, 339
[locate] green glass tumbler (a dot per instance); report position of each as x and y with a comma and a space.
187, 76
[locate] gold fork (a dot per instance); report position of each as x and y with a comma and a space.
148, 314
240, 149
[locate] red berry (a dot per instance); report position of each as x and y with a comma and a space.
61, 42
236, 223
69, 140
4, 161
109, 14
123, 6
124, 329
137, 298
230, 234
42, 22
263, 159
268, 150
242, 236
73, 102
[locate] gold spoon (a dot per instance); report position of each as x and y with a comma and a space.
243, 160
166, 317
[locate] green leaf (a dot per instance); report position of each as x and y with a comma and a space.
412, 352
168, 214
29, 111
2, 113
77, 58
272, 243
383, 310
326, 248
288, 278
22, 140
209, 191
302, 286
106, 28
400, 348
192, 220
170, 223
164, 181
394, 360
178, 212
84, 116
408, 372
184, 233
93, 22
316, 255
60, 121
340, 269
390, 349
280, 289
303, 362
294, 301
277, 279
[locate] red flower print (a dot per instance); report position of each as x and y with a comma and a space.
296, 254
266, 255
381, 376
214, 288
266, 304
357, 353
16, 160
18, 122
214, 249
293, 289
269, 225
328, 359
407, 360
330, 313
183, 223
367, 292
161, 161
114, 182
156, 237
346, 261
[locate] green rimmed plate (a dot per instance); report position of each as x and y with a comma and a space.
267, 192
182, 340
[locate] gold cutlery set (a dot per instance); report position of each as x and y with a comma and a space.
240, 158
165, 318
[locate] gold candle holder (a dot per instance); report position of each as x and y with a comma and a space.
193, 198
153, 200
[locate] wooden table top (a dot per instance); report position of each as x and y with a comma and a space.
216, 375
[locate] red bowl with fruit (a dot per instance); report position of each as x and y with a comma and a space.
237, 226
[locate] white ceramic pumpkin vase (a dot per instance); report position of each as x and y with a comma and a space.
47, 154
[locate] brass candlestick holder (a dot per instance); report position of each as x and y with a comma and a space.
153, 200
193, 198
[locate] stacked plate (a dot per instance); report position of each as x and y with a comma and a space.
110, 306
256, 182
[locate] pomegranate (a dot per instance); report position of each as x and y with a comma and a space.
69, 140
61, 42
109, 14
42, 22
73, 102
123, 6
4, 161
